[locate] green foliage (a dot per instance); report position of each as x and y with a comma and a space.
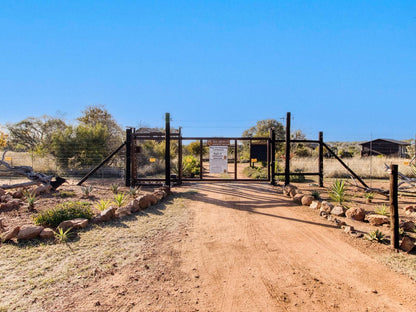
33, 134
62, 212
262, 129
369, 195
119, 199
316, 194
30, 198
190, 166
345, 154
115, 188
134, 191
83, 145
194, 148
338, 191
256, 172
103, 204
65, 194
382, 210
86, 190
62, 236
298, 177
376, 235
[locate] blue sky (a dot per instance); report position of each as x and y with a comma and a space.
347, 68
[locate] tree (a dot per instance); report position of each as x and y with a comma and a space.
262, 129
79, 146
97, 114
34, 134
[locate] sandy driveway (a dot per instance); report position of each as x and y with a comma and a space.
244, 248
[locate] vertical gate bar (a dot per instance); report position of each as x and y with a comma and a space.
167, 150
133, 159
287, 160
394, 206
201, 151
180, 156
268, 149
321, 159
273, 155
235, 159
128, 157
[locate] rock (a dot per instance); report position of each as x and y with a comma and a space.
323, 214
1, 226
18, 194
356, 235
78, 223
10, 234
152, 198
105, 215
29, 232
290, 190
298, 199
166, 189
408, 226
338, 211
134, 205
12, 204
356, 213
123, 211
43, 189
326, 206
6, 198
307, 200
159, 195
377, 220
409, 209
316, 204
348, 228
144, 202
47, 233
407, 244
2, 192
340, 223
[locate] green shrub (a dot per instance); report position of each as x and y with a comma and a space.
190, 167
62, 212
256, 172
338, 191
382, 210
376, 235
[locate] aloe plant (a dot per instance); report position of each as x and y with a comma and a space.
119, 199
338, 191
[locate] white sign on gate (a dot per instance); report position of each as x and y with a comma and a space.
218, 159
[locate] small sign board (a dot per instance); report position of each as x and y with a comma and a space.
218, 142
218, 159
258, 151
152, 159
8, 158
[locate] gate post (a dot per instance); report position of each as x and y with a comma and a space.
167, 150
394, 206
128, 156
287, 162
321, 159
180, 157
273, 156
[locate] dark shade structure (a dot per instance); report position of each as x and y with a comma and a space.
386, 147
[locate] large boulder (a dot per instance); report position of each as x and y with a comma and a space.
29, 232
134, 205
326, 207
377, 220
78, 223
407, 244
159, 195
356, 213
8, 235
43, 189
123, 211
298, 199
144, 202
316, 204
338, 211
307, 200
47, 233
106, 215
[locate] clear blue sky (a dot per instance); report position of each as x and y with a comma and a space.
347, 68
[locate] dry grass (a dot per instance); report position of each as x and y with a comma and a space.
31, 273
366, 167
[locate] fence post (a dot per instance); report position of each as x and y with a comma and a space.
321, 159
128, 156
273, 156
287, 160
201, 150
394, 206
167, 150
180, 157
235, 158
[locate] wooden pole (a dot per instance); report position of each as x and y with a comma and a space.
321, 159
235, 159
273, 156
201, 151
287, 160
394, 206
180, 156
167, 150
128, 156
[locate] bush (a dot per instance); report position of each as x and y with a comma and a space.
190, 167
256, 172
62, 212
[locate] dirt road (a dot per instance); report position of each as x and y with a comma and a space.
246, 249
